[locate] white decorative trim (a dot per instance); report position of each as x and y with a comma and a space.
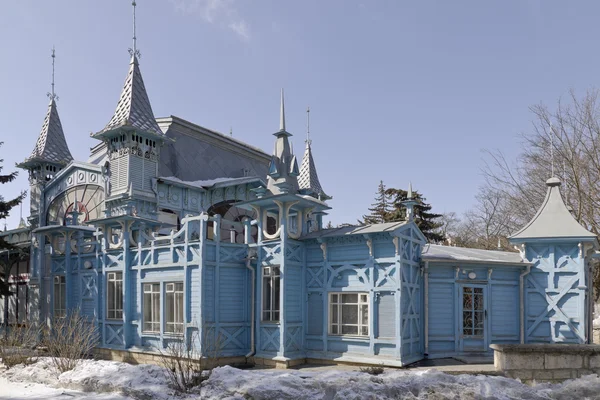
324, 250
396, 241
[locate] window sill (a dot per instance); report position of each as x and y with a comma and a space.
352, 337
274, 323
151, 334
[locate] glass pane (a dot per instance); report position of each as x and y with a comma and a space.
334, 298
349, 330
467, 301
276, 271
478, 332
276, 294
179, 287
170, 308
110, 294
119, 290
275, 316
334, 329
365, 314
334, 313
147, 310
350, 298
147, 287
478, 302
156, 308
364, 330
266, 316
363, 298
349, 314
266, 294
179, 308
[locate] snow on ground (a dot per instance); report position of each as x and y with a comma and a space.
230, 383
103, 380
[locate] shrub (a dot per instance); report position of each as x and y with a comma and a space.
372, 370
185, 365
69, 339
17, 344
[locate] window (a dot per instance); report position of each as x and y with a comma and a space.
60, 296
473, 313
151, 307
270, 289
174, 307
349, 314
114, 295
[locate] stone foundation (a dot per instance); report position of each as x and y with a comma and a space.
546, 362
134, 356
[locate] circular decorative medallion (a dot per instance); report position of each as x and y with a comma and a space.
472, 275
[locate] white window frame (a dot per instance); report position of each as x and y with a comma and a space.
151, 289
174, 319
114, 280
271, 307
60, 296
335, 324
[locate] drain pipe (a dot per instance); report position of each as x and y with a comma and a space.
522, 301
252, 306
426, 301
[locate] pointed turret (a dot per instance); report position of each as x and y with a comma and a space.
553, 219
133, 109
308, 181
51, 151
283, 168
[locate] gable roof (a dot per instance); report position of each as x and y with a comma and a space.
355, 230
133, 109
553, 219
436, 252
51, 145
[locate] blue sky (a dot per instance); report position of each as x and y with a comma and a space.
399, 91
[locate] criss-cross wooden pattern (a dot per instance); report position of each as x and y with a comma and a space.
293, 252
410, 283
269, 338
271, 253
386, 275
88, 286
293, 338
553, 290
232, 254
114, 260
314, 276
113, 334
231, 337
58, 265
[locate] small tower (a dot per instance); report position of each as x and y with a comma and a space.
557, 291
308, 181
410, 204
133, 139
50, 155
283, 168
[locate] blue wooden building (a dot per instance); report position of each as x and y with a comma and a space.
174, 232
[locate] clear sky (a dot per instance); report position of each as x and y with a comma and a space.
399, 91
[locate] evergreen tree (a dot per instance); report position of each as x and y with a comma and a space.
380, 210
5, 247
428, 222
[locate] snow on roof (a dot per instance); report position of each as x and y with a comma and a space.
553, 219
432, 252
355, 230
209, 183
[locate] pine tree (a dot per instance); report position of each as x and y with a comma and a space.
380, 209
5, 207
428, 222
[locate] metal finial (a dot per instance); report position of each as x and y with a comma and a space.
282, 114
231, 131
308, 125
134, 52
409, 194
552, 149
51, 95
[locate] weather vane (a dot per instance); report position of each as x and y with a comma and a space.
51, 95
134, 51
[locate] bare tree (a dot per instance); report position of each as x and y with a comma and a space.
565, 143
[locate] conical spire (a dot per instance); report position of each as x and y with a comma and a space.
133, 109
553, 219
51, 146
308, 181
283, 168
